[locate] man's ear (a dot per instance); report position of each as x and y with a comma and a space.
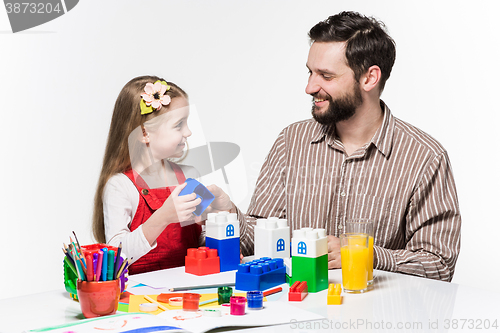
371, 78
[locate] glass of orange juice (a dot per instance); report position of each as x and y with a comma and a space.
363, 226
354, 256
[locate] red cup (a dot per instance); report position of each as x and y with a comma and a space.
98, 298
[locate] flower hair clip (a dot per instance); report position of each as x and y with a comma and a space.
154, 96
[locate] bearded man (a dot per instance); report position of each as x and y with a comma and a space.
355, 160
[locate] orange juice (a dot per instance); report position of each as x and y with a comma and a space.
370, 260
354, 252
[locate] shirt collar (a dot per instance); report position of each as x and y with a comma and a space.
382, 139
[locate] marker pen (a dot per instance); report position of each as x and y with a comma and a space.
111, 264
90, 268
94, 264
104, 263
99, 266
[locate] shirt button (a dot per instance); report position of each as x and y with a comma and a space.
145, 192
340, 227
342, 193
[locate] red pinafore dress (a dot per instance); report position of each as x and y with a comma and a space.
173, 242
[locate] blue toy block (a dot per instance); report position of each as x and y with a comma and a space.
194, 186
228, 250
260, 274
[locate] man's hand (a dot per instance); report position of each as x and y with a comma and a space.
333, 252
222, 202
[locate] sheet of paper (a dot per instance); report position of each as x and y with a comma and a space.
274, 313
177, 278
137, 322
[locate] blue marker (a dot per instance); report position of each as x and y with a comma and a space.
104, 264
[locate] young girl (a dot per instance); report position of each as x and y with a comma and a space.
137, 201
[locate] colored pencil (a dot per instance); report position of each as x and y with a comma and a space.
154, 302
117, 262
68, 256
202, 287
71, 265
77, 242
272, 291
123, 267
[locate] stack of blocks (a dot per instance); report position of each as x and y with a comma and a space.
202, 261
272, 238
260, 274
310, 258
223, 234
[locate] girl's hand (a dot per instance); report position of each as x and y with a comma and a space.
180, 208
222, 202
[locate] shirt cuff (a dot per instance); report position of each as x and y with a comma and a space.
142, 246
384, 259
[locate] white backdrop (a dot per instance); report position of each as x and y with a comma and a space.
243, 64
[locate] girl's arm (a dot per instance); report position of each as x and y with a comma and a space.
175, 209
120, 201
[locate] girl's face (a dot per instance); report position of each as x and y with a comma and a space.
168, 132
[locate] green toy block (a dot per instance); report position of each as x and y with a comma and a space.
312, 270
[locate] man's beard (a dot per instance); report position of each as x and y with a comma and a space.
339, 109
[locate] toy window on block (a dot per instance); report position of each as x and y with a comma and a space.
272, 238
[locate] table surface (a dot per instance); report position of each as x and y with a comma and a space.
397, 302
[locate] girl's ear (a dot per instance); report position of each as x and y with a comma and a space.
145, 136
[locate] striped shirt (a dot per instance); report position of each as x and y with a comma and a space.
401, 180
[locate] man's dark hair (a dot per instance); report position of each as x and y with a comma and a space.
367, 42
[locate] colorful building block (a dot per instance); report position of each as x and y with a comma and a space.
333, 296
194, 186
272, 238
298, 291
260, 274
222, 232
202, 261
310, 258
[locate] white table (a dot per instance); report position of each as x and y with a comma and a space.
396, 303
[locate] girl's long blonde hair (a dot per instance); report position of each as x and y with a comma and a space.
126, 117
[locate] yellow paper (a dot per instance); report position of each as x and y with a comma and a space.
136, 300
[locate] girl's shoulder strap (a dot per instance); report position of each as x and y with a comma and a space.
179, 174
136, 179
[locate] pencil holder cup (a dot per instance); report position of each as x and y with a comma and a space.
70, 277
98, 298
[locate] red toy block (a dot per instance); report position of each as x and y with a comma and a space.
202, 261
298, 291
